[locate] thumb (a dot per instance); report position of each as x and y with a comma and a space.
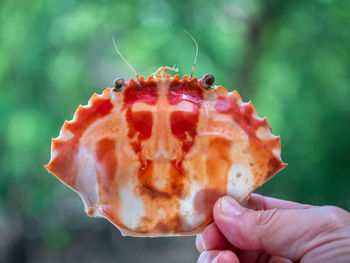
288, 233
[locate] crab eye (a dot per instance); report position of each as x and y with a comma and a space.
207, 81
118, 84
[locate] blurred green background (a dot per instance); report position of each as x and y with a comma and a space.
290, 58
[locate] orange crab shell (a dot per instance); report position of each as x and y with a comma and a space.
153, 158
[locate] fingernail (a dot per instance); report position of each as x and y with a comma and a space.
207, 257
200, 243
230, 207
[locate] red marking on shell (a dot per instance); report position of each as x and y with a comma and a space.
184, 124
106, 169
86, 116
185, 90
140, 124
140, 91
241, 114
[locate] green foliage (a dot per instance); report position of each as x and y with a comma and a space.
291, 58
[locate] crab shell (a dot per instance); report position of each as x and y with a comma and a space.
154, 158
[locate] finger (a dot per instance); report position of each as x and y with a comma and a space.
218, 256
259, 202
288, 233
212, 239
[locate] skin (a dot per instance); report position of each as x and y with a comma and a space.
275, 231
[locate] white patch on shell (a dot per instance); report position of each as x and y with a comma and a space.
73, 120
240, 180
85, 106
114, 97
224, 118
264, 133
255, 116
191, 218
65, 135
98, 213
277, 153
184, 106
139, 106
86, 180
53, 155
185, 97
243, 104
161, 172
131, 210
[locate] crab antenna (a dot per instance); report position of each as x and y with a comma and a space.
195, 59
120, 55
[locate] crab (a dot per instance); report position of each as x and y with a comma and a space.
153, 155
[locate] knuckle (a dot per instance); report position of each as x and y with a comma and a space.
267, 223
267, 217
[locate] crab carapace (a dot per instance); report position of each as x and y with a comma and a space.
153, 155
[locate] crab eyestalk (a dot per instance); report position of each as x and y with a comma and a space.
118, 84
207, 81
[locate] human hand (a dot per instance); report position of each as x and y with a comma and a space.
275, 231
